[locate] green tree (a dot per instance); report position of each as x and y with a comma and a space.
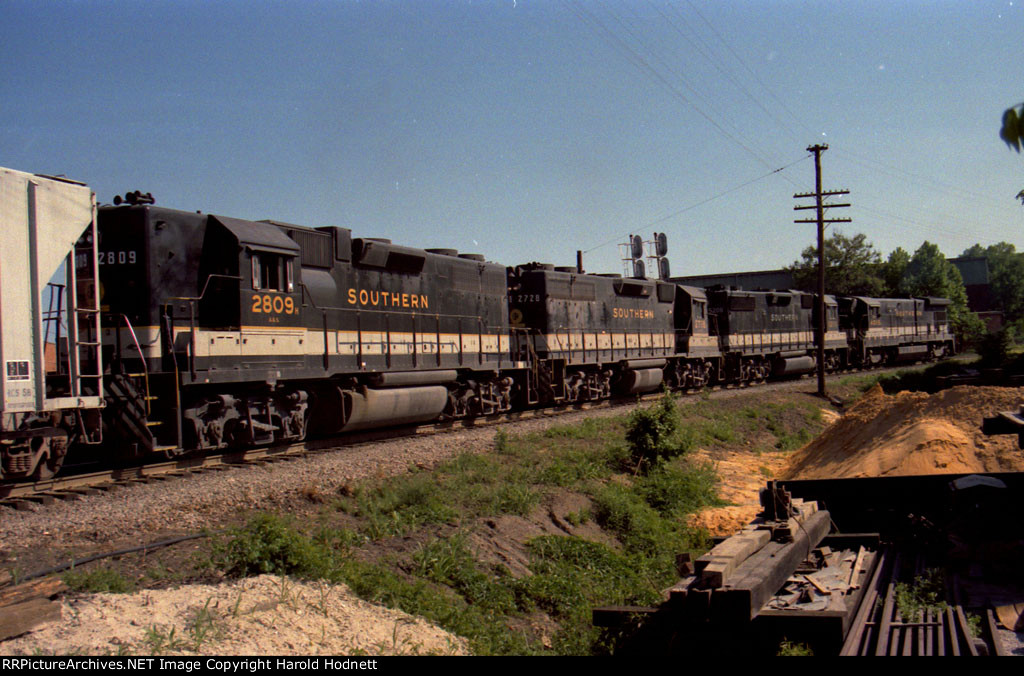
852, 267
973, 251
893, 269
929, 274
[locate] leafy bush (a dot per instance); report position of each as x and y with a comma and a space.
651, 433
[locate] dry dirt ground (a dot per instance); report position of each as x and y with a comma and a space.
263, 615
914, 433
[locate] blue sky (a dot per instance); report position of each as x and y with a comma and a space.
527, 129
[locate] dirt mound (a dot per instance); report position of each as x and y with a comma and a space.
913, 433
503, 539
263, 615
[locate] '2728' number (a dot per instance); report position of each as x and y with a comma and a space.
267, 304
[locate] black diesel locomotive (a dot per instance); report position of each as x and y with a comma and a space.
223, 332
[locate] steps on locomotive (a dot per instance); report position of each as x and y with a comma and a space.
134, 420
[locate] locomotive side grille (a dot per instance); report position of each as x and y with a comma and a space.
316, 247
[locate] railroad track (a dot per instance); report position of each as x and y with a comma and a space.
73, 486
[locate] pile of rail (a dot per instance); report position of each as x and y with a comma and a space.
785, 579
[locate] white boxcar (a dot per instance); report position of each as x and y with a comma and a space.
50, 366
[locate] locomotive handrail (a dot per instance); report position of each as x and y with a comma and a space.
138, 348
206, 286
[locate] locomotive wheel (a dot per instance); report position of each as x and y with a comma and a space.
54, 450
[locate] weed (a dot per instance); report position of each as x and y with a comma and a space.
324, 590
236, 608
644, 532
203, 627
974, 624
393, 508
515, 499
794, 440
450, 562
589, 428
270, 544
578, 518
161, 573
487, 632
99, 580
678, 491
502, 446
158, 640
16, 573
926, 594
790, 649
284, 592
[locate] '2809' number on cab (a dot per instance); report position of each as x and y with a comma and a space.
278, 305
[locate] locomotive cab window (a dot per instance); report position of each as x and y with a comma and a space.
272, 272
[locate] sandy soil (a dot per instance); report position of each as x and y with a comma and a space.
913, 433
881, 435
264, 615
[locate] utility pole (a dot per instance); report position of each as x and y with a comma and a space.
818, 195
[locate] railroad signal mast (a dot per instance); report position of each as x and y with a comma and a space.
632, 254
820, 206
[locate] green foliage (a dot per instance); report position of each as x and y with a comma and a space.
852, 266
788, 648
589, 428
270, 544
893, 269
1012, 131
916, 379
437, 604
449, 562
651, 431
158, 640
678, 491
575, 465
1005, 276
203, 628
572, 574
502, 445
396, 506
98, 580
515, 498
994, 348
482, 486
926, 594
644, 529
930, 274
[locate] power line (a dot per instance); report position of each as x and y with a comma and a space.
697, 204
643, 65
748, 68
